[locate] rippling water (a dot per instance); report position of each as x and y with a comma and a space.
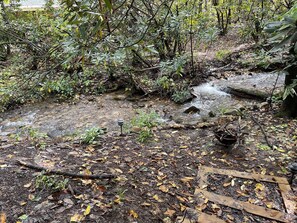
33, 3
29, 3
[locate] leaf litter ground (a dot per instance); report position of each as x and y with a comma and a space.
155, 181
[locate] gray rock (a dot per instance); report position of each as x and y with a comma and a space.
192, 109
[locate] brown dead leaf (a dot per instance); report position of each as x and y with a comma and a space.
186, 179
133, 214
181, 198
230, 217
163, 188
227, 184
169, 212
31, 197
90, 148
182, 207
22, 203
2, 218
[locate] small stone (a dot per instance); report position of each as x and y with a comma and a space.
167, 220
68, 201
211, 114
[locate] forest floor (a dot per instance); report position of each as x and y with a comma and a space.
154, 181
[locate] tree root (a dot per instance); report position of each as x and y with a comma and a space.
62, 173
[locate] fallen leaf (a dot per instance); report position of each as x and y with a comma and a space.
22, 203
118, 200
227, 184
215, 206
156, 197
163, 188
31, 197
203, 153
169, 212
88, 210
182, 207
186, 179
204, 186
146, 204
68, 201
76, 218
23, 217
133, 214
181, 198
269, 204
182, 147
28, 185
2, 218
230, 217
232, 182
87, 172
90, 148
259, 187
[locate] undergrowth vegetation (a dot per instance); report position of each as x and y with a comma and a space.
91, 47
145, 122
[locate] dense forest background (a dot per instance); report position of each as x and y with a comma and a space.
149, 46
148, 111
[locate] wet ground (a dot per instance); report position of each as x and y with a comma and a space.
67, 118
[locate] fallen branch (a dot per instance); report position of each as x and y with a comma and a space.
263, 131
57, 172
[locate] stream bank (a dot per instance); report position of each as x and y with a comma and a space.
83, 112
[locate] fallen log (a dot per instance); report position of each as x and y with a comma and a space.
247, 93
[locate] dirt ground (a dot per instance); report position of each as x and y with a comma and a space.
154, 181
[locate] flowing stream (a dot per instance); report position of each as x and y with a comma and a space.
60, 119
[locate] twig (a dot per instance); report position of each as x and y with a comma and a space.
57, 172
273, 89
263, 131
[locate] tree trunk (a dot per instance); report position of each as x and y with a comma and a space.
290, 103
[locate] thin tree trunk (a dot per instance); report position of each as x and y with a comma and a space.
6, 21
290, 103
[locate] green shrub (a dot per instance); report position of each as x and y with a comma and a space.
181, 96
43, 181
91, 135
63, 86
222, 54
145, 121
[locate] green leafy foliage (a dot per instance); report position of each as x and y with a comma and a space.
54, 183
91, 135
284, 32
145, 121
284, 38
181, 96
222, 54
63, 86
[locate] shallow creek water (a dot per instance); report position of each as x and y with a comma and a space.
60, 119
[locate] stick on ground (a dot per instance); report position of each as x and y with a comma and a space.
263, 131
57, 172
